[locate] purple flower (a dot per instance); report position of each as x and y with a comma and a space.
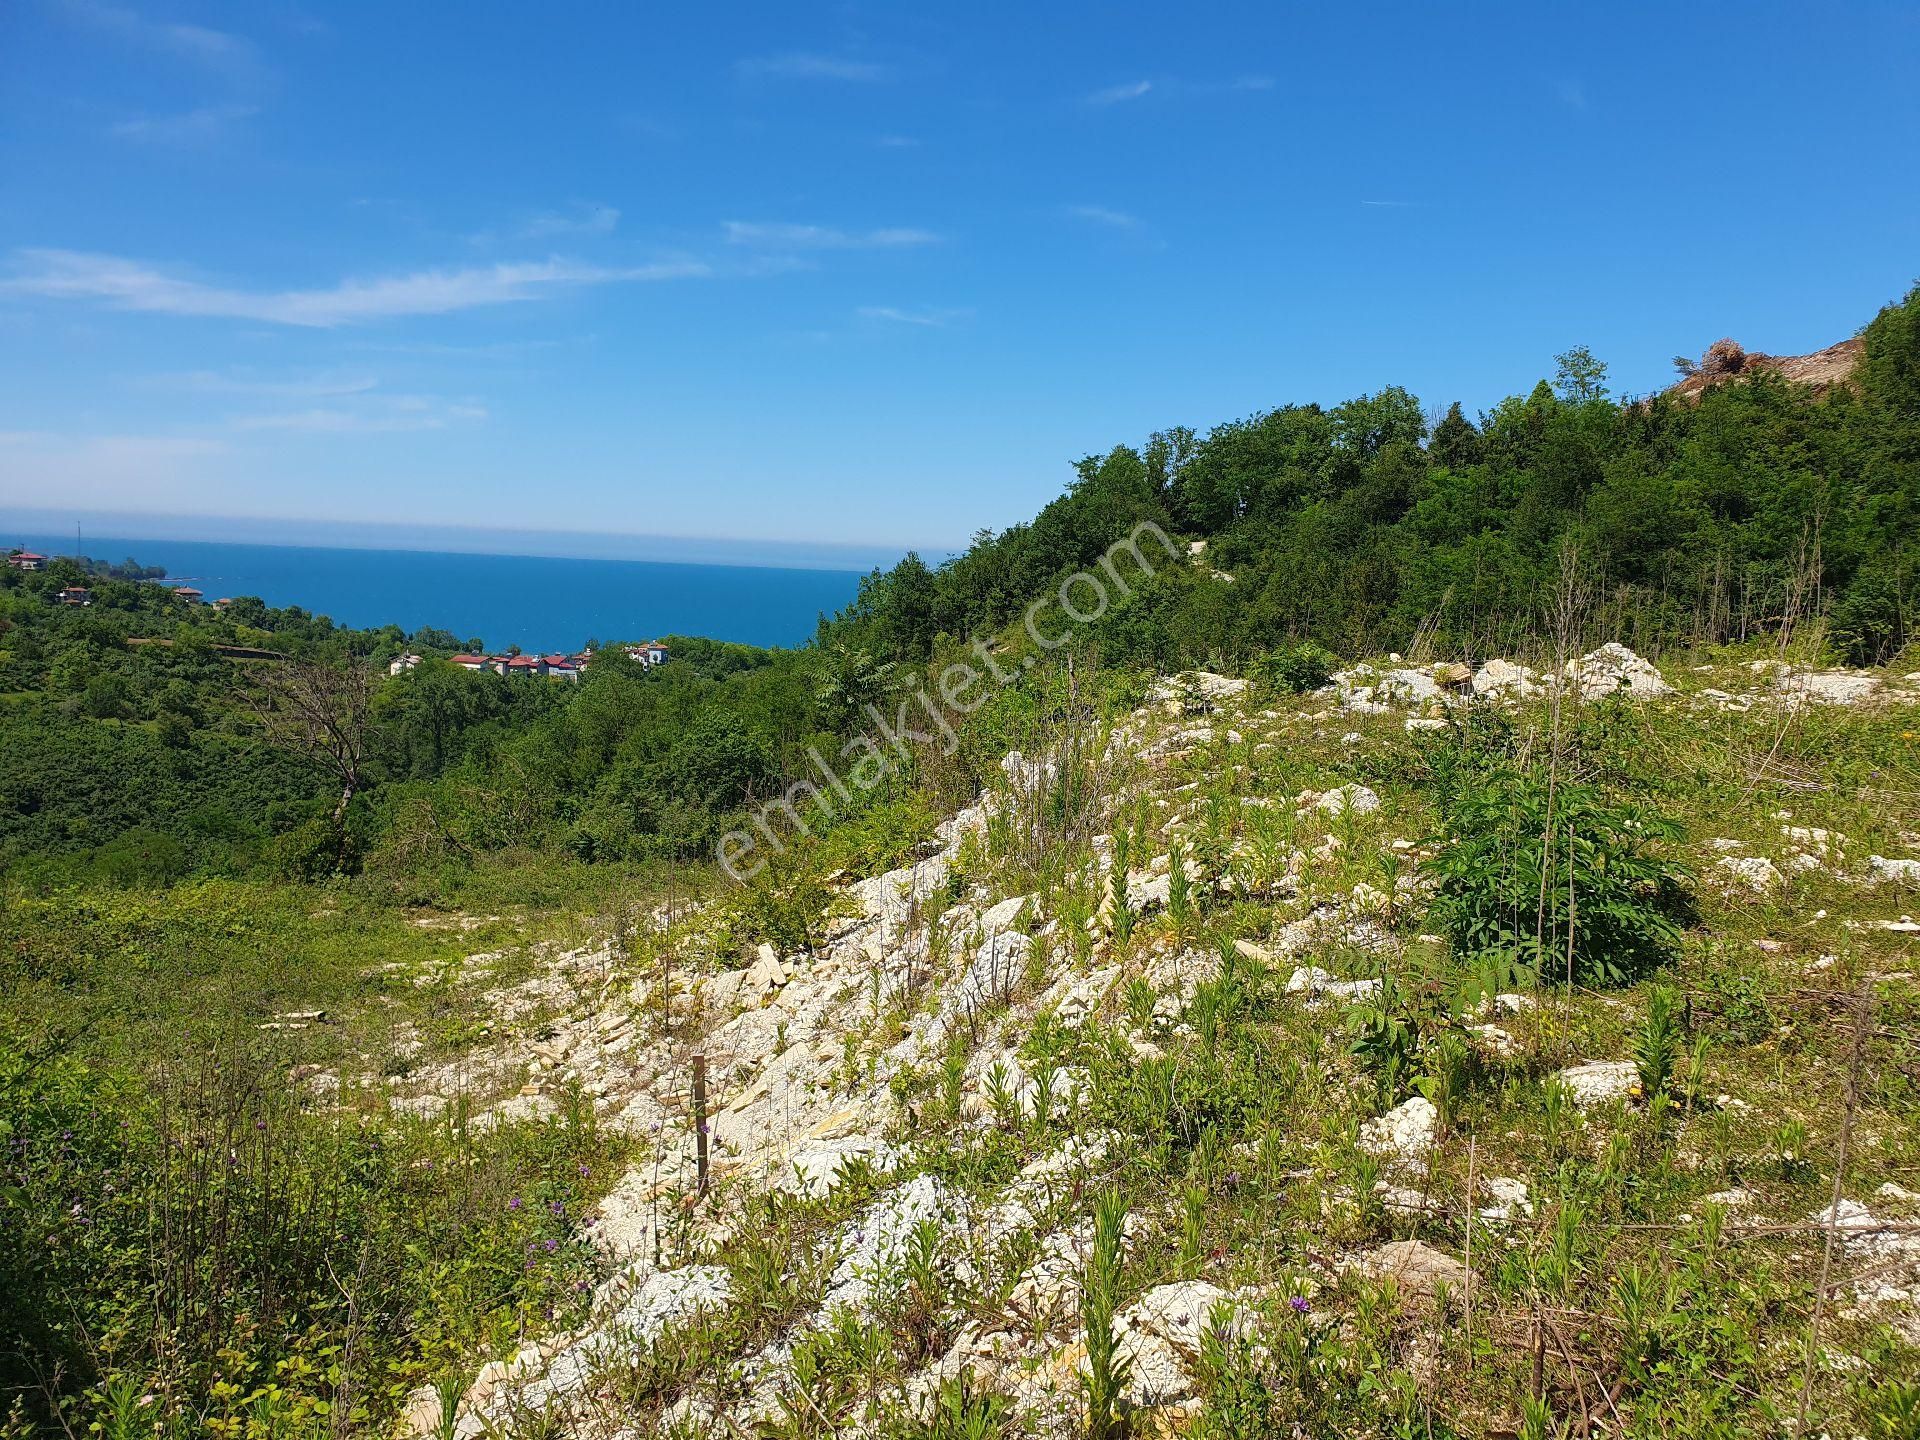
514, 1203
558, 1208
584, 1172
552, 1245
1299, 1304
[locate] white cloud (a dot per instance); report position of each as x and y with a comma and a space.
1101, 215
217, 50
802, 65
192, 127
823, 237
931, 319
580, 220
134, 285
384, 414
1115, 94
311, 387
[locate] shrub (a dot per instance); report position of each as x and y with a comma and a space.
1557, 880
198, 1239
1293, 669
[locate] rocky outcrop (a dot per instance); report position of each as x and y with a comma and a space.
1728, 360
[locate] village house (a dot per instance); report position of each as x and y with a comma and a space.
27, 560
187, 594
401, 664
74, 595
653, 652
553, 667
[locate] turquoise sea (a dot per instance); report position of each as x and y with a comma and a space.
535, 602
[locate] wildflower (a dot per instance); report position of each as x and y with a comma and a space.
558, 1208
514, 1203
552, 1245
1299, 1304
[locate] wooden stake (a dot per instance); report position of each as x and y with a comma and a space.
700, 1119
1862, 1004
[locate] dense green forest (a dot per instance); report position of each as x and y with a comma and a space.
132, 750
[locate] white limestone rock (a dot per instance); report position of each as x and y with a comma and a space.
1601, 1082
1753, 872
816, 1168
1884, 871
1405, 1132
1348, 799
1831, 687
1504, 680
1416, 1268
1613, 668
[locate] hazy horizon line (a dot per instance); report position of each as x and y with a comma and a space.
438, 538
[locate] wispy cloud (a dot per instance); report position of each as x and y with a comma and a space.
807, 65
930, 319
582, 219
1101, 215
307, 387
824, 237
134, 285
382, 415
216, 50
1390, 204
192, 127
1175, 87
1117, 94
119, 467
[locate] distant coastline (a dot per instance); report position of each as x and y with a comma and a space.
539, 603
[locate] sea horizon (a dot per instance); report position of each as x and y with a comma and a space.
49, 523
538, 602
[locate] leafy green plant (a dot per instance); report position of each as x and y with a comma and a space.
1104, 1384
1658, 1044
1179, 885
1293, 669
1565, 882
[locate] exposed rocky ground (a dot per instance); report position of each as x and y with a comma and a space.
920, 1093
1728, 360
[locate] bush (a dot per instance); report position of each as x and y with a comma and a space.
200, 1240
1557, 879
1293, 669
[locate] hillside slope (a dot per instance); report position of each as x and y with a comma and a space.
1370, 1184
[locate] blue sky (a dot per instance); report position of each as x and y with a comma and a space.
877, 274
